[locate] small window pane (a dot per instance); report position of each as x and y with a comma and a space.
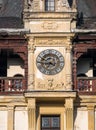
52, 8
55, 122
52, 4
49, 5
45, 122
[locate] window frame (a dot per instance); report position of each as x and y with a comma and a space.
50, 122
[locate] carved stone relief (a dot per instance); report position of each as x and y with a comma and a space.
62, 5
51, 85
49, 25
30, 4
31, 47
50, 42
65, 3
31, 80
68, 80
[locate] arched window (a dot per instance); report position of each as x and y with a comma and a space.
49, 5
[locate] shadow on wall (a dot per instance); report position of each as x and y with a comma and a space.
88, 7
70, 2
81, 75
80, 19
18, 75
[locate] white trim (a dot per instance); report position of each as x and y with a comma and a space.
83, 30
14, 31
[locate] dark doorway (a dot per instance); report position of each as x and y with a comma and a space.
3, 63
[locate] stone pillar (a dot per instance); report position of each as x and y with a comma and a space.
10, 118
68, 65
74, 68
69, 113
31, 49
91, 117
31, 114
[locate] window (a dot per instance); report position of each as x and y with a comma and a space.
49, 5
50, 122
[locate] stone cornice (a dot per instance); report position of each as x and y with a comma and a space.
50, 94
15, 31
48, 15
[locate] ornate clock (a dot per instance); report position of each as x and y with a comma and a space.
50, 62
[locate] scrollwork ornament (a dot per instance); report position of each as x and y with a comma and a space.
51, 85
31, 48
65, 3
49, 25
29, 3
68, 49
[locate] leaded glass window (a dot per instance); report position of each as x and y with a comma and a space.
49, 5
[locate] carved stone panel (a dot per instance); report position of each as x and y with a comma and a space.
49, 26
50, 42
50, 82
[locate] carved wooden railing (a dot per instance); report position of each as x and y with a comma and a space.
12, 84
86, 84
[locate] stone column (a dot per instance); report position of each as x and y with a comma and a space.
10, 118
69, 113
31, 49
68, 65
74, 68
91, 117
31, 114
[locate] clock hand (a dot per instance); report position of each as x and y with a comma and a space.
45, 62
52, 62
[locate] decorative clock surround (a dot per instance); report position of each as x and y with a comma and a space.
49, 63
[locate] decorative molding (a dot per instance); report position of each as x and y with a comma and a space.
50, 25
68, 49
17, 101
50, 42
51, 85
31, 45
69, 103
31, 48
29, 4
65, 3
31, 82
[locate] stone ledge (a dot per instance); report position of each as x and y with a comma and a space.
50, 94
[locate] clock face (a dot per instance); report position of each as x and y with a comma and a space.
50, 62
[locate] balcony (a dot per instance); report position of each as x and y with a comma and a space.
86, 84
12, 84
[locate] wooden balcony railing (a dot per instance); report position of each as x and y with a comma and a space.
86, 84
12, 84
